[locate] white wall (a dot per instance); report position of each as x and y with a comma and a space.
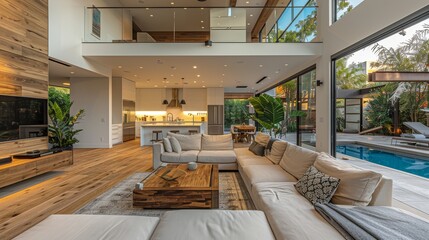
67, 31
94, 95
117, 100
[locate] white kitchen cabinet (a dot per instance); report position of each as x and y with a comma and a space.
128, 90
196, 99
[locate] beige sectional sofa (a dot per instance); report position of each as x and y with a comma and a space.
282, 212
201, 148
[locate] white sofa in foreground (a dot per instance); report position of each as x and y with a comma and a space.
282, 212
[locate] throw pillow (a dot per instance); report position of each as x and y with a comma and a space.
175, 145
167, 145
270, 144
277, 151
257, 149
316, 186
262, 138
357, 185
188, 142
296, 160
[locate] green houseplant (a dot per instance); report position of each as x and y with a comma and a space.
269, 112
61, 129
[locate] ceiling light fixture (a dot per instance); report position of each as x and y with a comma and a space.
225, 65
247, 2
202, 21
198, 75
66, 84
172, 3
151, 15
195, 81
141, 67
71, 72
251, 15
202, 27
194, 67
261, 65
119, 66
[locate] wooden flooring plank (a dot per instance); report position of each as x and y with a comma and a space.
94, 172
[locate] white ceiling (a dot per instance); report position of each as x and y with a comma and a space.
149, 72
61, 73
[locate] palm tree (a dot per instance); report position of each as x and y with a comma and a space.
349, 77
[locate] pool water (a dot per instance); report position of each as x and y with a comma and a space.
409, 164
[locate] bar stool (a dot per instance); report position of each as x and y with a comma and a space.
175, 131
192, 132
155, 136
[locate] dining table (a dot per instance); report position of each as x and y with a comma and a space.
244, 132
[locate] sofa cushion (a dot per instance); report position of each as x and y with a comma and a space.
183, 157
92, 227
290, 215
188, 142
222, 156
316, 186
262, 138
252, 174
296, 160
257, 149
213, 224
217, 142
276, 152
175, 145
243, 152
167, 145
357, 185
244, 161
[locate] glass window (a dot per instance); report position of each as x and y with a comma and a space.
236, 112
342, 7
284, 21
307, 109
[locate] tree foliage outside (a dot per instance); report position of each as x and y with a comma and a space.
349, 77
413, 56
236, 112
61, 96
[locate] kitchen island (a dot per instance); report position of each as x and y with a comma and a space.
183, 128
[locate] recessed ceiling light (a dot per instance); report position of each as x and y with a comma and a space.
277, 71
202, 21
202, 27
247, 2
251, 15
198, 75
204, 86
260, 65
194, 66
225, 65
185, 8
156, 86
71, 72
202, 8
147, 8
223, 74
135, 75
195, 81
66, 84
172, 3
171, 75
151, 15
141, 67
119, 66
286, 64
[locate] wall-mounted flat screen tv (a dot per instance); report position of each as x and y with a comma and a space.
22, 117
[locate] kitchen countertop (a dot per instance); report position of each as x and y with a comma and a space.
186, 124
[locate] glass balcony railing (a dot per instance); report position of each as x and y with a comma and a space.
197, 25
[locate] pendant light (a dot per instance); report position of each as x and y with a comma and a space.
165, 102
183, 100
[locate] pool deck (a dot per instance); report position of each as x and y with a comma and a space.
410, 192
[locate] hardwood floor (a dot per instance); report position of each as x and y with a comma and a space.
94, 171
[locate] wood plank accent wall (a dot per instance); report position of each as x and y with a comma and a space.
184, 37
262, 19
24, 58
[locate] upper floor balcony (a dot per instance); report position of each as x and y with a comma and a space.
291, 21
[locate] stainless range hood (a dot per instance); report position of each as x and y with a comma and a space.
174, 102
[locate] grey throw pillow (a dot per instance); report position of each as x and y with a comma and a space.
257, 149
317, 186
167, 145
175, 145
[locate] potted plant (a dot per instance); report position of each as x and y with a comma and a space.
61, 128
269, 112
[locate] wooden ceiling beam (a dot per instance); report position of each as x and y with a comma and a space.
233, 3
263, 17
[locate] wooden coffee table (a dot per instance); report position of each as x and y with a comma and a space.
195, 189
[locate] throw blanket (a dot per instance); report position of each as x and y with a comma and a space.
373, 222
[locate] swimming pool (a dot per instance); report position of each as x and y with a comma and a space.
413, 165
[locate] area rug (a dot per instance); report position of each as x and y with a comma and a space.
118, 200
